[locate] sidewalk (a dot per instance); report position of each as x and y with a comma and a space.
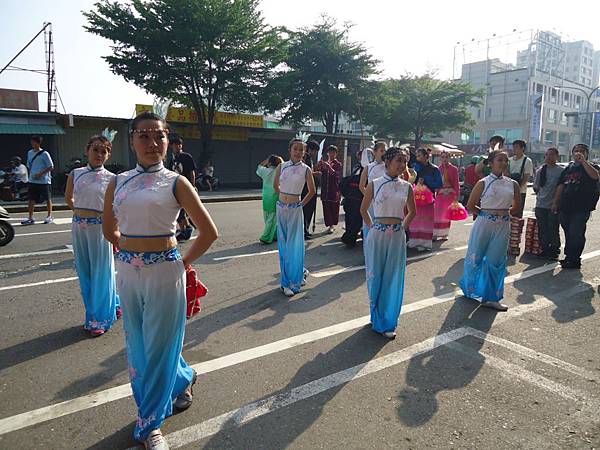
222, 195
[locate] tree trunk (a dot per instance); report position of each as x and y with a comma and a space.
328, 122
418, 137
337, 122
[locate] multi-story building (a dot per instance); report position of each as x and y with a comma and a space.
542, 99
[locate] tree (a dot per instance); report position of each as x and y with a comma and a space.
205, 54
414, 106
324, 73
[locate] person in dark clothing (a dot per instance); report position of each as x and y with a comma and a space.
182, 163
350, 190
576, 197
312, 148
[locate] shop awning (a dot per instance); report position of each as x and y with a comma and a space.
20, 128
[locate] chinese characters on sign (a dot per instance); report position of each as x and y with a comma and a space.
188, 115
17, 99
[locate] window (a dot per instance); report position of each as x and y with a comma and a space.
549, 136
552, 115
553, 95
563, 118
583, 80
563, 139
566, 99
489, 112
539, 88
577, 102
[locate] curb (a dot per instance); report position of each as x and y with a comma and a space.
64, 207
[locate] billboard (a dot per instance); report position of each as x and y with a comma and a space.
17, 99
188, 115
536, 108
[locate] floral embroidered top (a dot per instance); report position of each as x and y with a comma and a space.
375, 170
89, 187
145, 204
292, 177
389, 197
498, 192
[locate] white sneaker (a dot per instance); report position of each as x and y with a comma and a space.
288, 292
304, 277
330, 230
156, 441
48, 220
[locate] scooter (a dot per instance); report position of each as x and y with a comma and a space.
7, 232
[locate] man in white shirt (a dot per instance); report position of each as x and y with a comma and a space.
19, 175
520, 168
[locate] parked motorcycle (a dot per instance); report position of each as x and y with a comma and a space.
7, 232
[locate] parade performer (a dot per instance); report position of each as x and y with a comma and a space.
387, 197
444, 197
421, 229
290, 177
309, 210
374, 169
485, 261
331, 176
140, 217
94, 261
266, 172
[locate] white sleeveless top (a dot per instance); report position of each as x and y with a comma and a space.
89, 187
145, 205
498, 192
389, 197
375, 170
292, 177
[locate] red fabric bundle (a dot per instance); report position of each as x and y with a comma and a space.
423, 196
194, 290
456, 211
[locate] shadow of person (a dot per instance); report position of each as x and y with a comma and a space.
576, 307
449, 281
279, 429
528, 287
34, 348
40, 270
123, 438
443, 368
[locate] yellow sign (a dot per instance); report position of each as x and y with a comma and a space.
218, 134
188, 115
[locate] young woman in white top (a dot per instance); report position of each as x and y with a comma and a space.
289, 181
375, 169
94, 261
387, 197
140, 218
485, 262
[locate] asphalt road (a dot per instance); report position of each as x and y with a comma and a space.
306, 372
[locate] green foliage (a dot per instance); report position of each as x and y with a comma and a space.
324, 74
205, 54
415, 105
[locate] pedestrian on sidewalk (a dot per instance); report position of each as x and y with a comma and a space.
576, 197
485, 261
183, 164
290, 178
421, 228
444, 197
374, 170
18, 177
266, 172
544, 185
310, 209
94, 262
140, 218
40, 167
331, 176
387, 197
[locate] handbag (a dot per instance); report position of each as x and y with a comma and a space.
518, 176
194, 291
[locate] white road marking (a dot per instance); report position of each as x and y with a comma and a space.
42, 232
246, 255
68, 249
424, 255
39, 283
57, 221
534, 354
280, 400
57, 410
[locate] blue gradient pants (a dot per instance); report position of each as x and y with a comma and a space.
95, 267
290, 242
485, 261
152, 289
385, 269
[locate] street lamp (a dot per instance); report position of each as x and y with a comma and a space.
587, 108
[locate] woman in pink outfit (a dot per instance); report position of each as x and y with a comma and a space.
444, 197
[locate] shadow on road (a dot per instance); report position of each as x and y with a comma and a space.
443, 369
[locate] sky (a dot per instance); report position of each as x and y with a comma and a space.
406, 37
